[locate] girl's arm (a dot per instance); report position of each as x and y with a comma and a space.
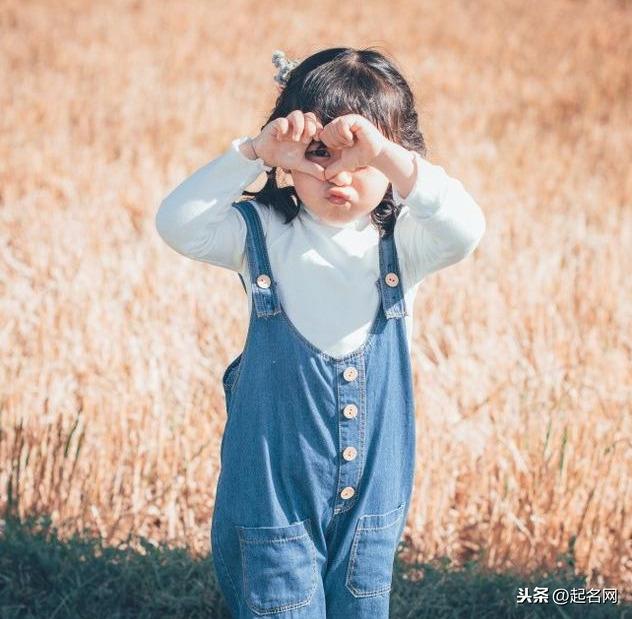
197, 220
442, 225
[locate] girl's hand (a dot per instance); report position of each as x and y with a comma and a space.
358, 138
283, 142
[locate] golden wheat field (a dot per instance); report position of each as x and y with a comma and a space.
112, 346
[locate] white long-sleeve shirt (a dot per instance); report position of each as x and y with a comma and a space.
325, 273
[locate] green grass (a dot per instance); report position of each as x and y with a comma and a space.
44, 576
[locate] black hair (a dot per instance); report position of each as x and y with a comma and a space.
339, 81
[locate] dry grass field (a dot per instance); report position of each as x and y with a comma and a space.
112, 346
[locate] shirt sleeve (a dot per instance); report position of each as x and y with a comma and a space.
439, 223
197, 220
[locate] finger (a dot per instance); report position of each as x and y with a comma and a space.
315, 122
339, 143
336, 168
281, 128
326, 136
333, 135
312, 116
333, 169
298, 123
312, 168
343, 132
319, 130
309, 130
347, 134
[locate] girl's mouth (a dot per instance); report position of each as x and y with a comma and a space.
337, 200
338, 196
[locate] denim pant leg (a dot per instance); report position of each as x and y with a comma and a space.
254, 575
359, 571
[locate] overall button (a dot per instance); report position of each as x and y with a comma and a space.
347, 492
263, 281
350, 373
349, 453
350, 411
391, 279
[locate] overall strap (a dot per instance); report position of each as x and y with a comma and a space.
390, 281
262, 284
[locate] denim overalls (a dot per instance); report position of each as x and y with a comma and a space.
317, 459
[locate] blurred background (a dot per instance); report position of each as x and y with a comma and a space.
112, 346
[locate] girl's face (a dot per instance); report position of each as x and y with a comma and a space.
346, 196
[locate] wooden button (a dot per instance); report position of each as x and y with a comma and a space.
347, 492
350, 411
350, 374
391, 279
349, 453
263, 281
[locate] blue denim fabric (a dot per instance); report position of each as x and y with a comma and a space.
285, 542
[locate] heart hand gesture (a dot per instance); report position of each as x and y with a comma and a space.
358, 139
282, 143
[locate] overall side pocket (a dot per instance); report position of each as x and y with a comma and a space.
370, 569
230, 376
279, 567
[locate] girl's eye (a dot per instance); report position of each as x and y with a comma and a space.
319, 150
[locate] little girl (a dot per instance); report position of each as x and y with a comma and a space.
318, 451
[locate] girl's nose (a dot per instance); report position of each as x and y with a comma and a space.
342, 178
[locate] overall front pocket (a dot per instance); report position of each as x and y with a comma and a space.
370, 569
278, 567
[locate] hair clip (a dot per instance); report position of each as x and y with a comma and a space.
284, 66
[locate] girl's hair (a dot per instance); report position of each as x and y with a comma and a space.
339, 81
